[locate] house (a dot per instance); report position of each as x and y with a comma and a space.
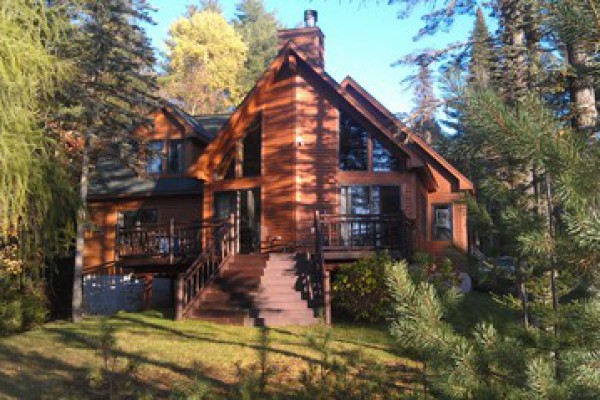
248, 215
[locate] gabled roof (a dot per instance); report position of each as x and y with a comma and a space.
349, 83
360, 100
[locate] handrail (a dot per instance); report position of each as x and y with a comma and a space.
364, 232
163, 240
216, 253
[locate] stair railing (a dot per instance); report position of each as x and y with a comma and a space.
218, 249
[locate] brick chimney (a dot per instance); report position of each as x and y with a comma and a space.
309, 39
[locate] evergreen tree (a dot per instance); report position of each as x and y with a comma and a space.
422, 119
482, 52
110, 95
258, 29
205, 59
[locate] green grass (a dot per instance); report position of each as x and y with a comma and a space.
53, 362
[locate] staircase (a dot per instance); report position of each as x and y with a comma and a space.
255, 290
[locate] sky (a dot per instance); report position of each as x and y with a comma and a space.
363, 38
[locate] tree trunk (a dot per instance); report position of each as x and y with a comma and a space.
583, 96
77, 303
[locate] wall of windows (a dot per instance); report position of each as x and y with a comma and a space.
361, 151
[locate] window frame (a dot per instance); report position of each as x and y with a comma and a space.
344, 198
180, 159
233, 161
450, 208
370, 146
165, 154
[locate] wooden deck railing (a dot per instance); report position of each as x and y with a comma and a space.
164, 241
219, 247
365, 232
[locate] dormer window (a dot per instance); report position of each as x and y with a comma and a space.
166, 156
155, 157
175, 159
361, 151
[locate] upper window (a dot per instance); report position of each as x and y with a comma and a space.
245, 158
360, 151
251, 150
442, 222
155, 157
176, 157
383, 160
165, 156
354, 152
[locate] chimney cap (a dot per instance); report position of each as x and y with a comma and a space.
311, 17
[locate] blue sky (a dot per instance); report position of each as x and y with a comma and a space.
362, 39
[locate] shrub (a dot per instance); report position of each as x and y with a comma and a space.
22, 304
359, 288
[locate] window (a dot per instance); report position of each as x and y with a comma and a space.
358, 200
245, 158
356, 143
155, 157
353, 145
251, 150
383, 160
166, 156
442, 222
175, 158
136, 218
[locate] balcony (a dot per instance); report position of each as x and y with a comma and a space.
166, 245
350, 237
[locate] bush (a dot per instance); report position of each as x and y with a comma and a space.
359, 288
23, 304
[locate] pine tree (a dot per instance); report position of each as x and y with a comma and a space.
258, 29
482, 52
422, 119
112, 93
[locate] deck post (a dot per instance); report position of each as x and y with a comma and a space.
327, 295
148, 281
172, 240
233, 240
179, 297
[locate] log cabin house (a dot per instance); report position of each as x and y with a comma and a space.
248, 214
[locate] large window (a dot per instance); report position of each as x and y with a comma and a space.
361, 151
136, 218
442, 222
354, 152
166, 156
383, 159
245, 158
356, 200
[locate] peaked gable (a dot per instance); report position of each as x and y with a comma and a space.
349, 95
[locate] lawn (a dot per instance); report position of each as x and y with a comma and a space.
54, 361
